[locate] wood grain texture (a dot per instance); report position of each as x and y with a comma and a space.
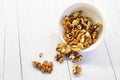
12, 69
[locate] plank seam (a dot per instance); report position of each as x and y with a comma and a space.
4, 41
110, 59
69, 69
4, 53
19, 40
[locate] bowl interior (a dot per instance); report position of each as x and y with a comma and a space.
89, 11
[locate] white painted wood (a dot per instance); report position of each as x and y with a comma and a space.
1, 42
95, 65
38, 23
12, 70
111, 10
38, 26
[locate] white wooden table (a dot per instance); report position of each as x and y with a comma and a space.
28, 27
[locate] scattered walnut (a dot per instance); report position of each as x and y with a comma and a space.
67, 49
70, 51
72, 56
59, 57
41, 55
61, 60
76, 69
60, 47
45, 67
76, 49
77, 59
36, 64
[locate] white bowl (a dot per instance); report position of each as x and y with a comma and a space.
90, 11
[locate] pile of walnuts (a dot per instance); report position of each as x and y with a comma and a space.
80, 29
69, 51
44, 67
79, 33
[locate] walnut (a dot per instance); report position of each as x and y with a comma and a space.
87, 42
67, 49
75, 22
80, 45
89, 24
60, 46
59, 58
41, 55
76, 48
49, 70
79, 36
45, 67
94, 40
82, 39
99, 25
77, 14
87, 34
72, 56
50, 64
79, 27
67, 18
83, 22
73, 42
63, 50
36, 64
76, 69
94, 34
77, 59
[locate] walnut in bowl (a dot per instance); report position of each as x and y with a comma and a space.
82, 23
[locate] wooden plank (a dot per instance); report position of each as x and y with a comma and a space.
38, 24
12, 69
111, 10
2, 29
95, 65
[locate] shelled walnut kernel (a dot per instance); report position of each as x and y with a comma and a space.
45, 67
76, 69
77, 59
36, 64
41, 55
59, 58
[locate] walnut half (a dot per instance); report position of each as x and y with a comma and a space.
45, 67
76, 69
